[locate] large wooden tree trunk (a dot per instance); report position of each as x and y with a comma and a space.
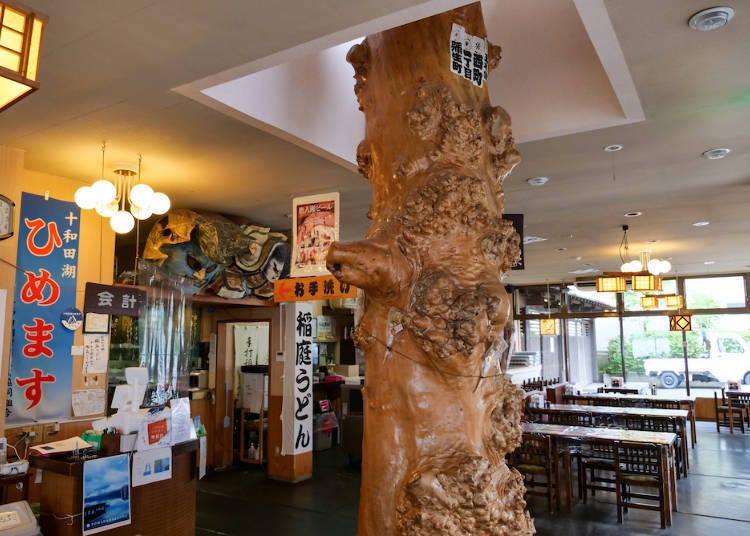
439, 416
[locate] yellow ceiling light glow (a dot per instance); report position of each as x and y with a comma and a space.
673, 301
645, 282
548, 326
21, 31
611, 283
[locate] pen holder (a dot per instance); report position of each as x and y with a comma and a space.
110, 444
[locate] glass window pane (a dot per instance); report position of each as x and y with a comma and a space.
648, 339
534, 355
724, 352
632, 300
585, 299
536, 299
715, 292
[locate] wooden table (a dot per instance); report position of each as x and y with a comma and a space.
664, 440
685, 401
680, 415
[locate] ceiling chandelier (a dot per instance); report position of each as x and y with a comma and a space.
125, 200
644, 273
21, 31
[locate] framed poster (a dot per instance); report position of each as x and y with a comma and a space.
315, 227
106, 493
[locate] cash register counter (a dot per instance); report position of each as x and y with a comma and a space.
166, 508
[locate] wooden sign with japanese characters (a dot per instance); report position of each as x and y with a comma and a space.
40, 379
311, 288
113, 300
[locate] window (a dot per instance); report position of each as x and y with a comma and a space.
585, 299
632, 300
715, 292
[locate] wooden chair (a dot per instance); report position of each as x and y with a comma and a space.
741, 402
664, 424
596, 468
605, 401
571, 419
666, 404
535, 461
728, 414
641, 482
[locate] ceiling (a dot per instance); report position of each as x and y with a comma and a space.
576, 75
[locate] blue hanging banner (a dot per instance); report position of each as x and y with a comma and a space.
41, 368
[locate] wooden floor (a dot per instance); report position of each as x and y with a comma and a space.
714, 500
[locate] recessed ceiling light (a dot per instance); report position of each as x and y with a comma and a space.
537, 181
652, 241
712, 18
633, 214
613, 148
531, 239
717, 153
709, 262
701, 223
562, 249
579, 258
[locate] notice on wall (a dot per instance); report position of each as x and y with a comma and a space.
468, 56
315, 227
297, 406
152, 466
88, 402
95, 353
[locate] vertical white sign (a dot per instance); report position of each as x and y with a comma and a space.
297, 407
468, 55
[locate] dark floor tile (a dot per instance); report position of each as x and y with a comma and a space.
713, 500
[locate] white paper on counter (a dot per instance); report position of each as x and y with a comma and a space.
203, 443
152, 466
88, 402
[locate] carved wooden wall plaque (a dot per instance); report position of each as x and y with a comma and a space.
439, 416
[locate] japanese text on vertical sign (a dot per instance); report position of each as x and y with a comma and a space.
303, 383
48, 255
468, 56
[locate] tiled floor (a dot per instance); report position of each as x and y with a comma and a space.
714, 500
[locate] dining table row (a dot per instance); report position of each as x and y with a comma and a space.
636, 453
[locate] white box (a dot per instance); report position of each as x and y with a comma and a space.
17, 519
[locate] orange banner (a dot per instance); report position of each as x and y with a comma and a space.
323, 287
